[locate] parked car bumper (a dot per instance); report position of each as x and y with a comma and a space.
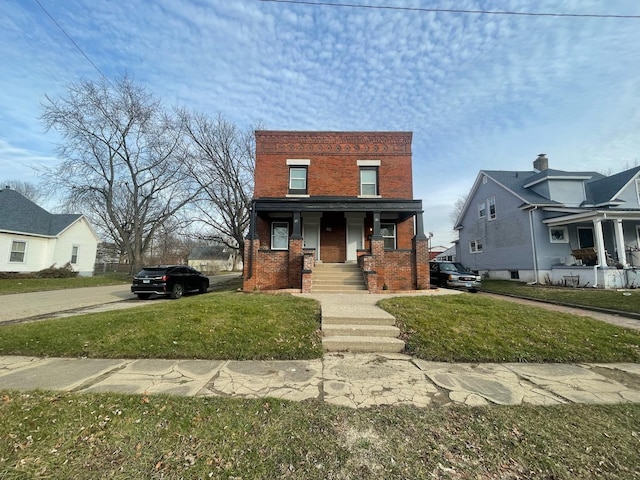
159, 289
468, 285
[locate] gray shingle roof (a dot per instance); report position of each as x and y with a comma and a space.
604, 189
515, 181
19, 214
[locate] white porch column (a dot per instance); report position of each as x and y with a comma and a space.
597, 226
622, 255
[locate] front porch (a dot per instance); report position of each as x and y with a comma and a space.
384, 239
602, 249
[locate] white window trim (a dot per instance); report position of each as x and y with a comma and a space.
638, 190
24, 254
473, 246
298, 161
638, 234
495, 213
555, 238
77, 248
273, 225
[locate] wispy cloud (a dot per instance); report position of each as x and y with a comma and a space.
478, 91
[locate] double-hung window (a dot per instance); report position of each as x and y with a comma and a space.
368, 181
298, 176
298, 180
74, 255
482, 210
475, 246
388, 233
491, 202
18, 251
638, 189
279, 235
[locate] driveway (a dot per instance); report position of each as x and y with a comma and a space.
61, 303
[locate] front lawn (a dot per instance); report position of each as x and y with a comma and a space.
225, 325
624, 301
88, 436
26, 285
472, 328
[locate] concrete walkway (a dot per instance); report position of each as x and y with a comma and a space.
353, 380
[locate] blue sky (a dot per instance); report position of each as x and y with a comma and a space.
478, 91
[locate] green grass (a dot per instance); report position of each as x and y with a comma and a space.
26, 285
88, 436
472, 328
221, 325
590, 297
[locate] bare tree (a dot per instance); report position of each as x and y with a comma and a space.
122, 160
27, 189
457, 209
222, 162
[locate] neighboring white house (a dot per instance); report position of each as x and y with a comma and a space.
214, 259
447, 255
553, 226
32, 239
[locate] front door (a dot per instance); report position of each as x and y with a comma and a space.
355, 238
311, 237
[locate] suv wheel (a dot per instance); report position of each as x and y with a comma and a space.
177, 290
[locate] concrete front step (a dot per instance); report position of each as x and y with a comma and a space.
362, 344
337, 278
357, 330
359, 320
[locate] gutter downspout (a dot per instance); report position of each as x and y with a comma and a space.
533, 245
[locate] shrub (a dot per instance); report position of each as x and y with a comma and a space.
66, 271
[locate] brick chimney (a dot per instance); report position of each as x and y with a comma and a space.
541, 163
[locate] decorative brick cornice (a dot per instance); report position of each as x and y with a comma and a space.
331, 143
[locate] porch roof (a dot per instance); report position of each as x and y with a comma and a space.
404, 208
633, 215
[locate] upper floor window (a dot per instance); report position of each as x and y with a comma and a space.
74, 255
482, 210
298, 180
369, 181
638, 188
18, 251
280, 235
475, 246
388, 233
491, 202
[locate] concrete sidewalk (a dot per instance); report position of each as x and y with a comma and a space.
353, 380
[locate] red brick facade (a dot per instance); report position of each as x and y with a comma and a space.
334, 197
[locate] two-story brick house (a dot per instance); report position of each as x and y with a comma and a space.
335, 197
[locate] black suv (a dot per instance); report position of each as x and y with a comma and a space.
172, 280
454, 275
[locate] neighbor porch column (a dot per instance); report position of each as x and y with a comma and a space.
619, 233
602, 257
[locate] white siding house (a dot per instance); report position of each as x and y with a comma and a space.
553, 226
32, 239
